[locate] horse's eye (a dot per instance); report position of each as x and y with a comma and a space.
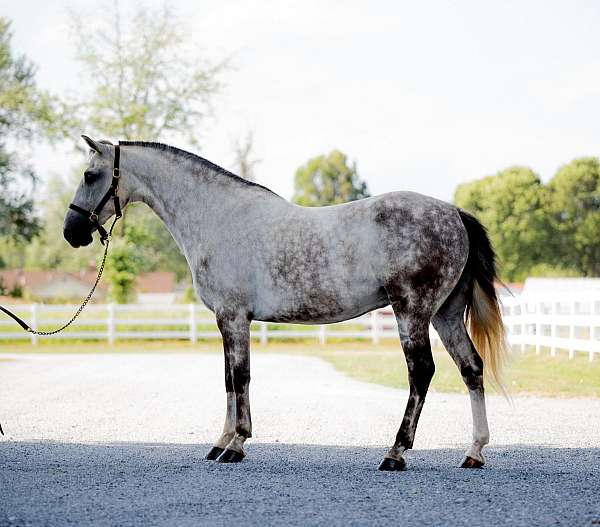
90, 176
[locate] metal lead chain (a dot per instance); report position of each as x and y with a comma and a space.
87, 298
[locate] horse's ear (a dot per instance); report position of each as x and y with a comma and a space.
92, 144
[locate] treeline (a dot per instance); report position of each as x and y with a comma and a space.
540, 229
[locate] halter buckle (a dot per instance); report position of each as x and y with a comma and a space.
93, 217
116, 173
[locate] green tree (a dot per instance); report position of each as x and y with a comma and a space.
155, 246
26, 113
328, 180
122, 266
513, 206
146, 82
575, 214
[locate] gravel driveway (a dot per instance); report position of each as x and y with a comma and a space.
120, 440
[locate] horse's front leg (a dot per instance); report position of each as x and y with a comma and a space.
229, 426
235, 329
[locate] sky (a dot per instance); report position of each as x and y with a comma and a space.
422, 95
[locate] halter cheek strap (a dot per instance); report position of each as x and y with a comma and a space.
111, 193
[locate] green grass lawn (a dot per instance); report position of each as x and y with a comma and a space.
527, 374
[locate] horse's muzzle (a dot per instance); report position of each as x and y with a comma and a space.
77, 230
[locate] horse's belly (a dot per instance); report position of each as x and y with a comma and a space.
322, 307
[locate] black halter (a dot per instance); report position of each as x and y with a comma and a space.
112, 192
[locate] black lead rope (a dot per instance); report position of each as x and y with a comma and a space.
29, 329
93, 217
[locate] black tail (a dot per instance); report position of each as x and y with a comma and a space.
483, 313
481, 261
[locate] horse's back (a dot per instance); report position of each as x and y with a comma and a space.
409, 229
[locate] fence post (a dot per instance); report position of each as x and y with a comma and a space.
193, 329
553, 311
264, 333
110, 323
322, 334
592, 338
572, 330
593, 311
375, 326
34, 322
538, 327
522, 310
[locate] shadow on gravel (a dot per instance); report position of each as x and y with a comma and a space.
146, 484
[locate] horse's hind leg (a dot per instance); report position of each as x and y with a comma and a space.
414, 335
449, 323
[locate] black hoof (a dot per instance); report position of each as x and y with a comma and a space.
388, 464
469, 462
214, 453
230, 456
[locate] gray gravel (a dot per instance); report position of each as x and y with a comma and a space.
120, 440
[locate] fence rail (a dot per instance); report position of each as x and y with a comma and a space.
552, 323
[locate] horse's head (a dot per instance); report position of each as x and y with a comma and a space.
96, 182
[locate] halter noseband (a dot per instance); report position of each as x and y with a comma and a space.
112, 192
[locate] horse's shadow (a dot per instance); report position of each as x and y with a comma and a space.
148, 483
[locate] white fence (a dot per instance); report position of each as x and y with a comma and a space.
179, 321
552, 323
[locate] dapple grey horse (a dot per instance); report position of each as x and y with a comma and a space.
255, 256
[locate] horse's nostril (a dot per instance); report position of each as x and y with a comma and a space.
68, 232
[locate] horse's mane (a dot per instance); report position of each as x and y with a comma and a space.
196, 159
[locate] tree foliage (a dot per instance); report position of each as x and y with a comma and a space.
541, 230
122, 266
512, 205
156, 249
575, 215
145, 82
328, 180
26, 112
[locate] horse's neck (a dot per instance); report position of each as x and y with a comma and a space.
188, 198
